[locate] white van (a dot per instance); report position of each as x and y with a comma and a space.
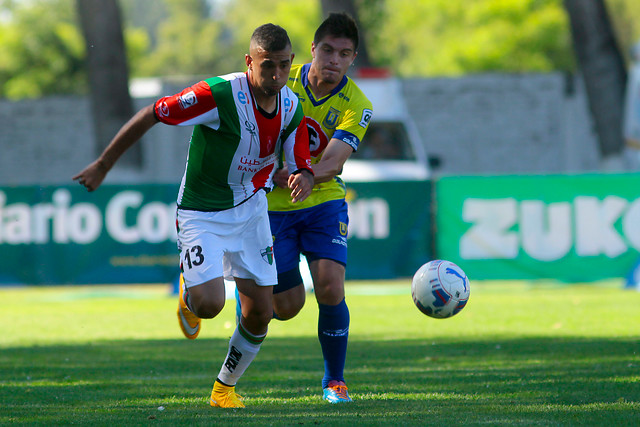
392, 149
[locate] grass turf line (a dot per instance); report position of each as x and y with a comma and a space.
517, 354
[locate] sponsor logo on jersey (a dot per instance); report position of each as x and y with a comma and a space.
366, 117
267, 254
163, 109
187, 100
250, 127
331, 119
288, 105
343, 96
242, 98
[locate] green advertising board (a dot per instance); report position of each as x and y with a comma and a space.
126, 233
65, 235
389, 228
572, 228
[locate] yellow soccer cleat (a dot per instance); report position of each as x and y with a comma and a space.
189, 322
223, 396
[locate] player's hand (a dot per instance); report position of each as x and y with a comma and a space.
301, 185
92, 176
281, 178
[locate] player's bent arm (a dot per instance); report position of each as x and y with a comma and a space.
332, 161
93, 175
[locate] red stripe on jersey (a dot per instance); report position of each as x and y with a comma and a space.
268, 129
259, 180
186, 105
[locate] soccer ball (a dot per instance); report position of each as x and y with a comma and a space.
440, 289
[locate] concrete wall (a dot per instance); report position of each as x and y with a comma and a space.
534, 123
504, 123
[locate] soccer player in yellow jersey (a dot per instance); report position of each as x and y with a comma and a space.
338, 114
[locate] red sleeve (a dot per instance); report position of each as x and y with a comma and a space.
301, 154
185, 106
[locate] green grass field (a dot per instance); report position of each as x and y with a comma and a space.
518, 354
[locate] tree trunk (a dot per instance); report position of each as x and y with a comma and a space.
603, 69
111, 103
348, 6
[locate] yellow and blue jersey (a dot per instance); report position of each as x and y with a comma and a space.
343, 114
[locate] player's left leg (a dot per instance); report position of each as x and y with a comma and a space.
249, 259
244, 343
333, 326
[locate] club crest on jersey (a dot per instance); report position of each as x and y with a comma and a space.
163, 109
343, 228
331, 119
187, 100
267, 254
366, 117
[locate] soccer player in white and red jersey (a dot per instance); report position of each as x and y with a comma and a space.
338, 115
243, 123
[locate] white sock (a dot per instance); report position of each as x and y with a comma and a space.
243, 347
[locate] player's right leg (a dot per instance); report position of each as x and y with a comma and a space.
202, 301
202, 292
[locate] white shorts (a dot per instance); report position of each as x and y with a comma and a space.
236, 242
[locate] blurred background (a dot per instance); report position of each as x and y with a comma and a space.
505, 133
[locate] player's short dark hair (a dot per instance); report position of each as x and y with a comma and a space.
271, 37
338, 25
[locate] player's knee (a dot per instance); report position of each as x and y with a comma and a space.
330, 292
287, 305
207, 307
287, 312
258, 318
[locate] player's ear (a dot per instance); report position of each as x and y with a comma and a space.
247, 59
293, 55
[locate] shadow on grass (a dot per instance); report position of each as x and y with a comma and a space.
401, 382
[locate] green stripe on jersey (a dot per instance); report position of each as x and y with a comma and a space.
211, 155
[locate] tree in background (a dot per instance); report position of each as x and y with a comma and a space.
604, 71
108, 73
41, 48
349, 6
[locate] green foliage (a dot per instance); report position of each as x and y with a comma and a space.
624, 14
445, 37
519, 353
300, 19
41, 50
187, 43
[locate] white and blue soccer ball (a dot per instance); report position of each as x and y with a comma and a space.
440, 289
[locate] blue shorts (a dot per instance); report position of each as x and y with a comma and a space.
318, 232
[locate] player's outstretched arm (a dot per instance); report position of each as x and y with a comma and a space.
332, 161
93, 175
301, 185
